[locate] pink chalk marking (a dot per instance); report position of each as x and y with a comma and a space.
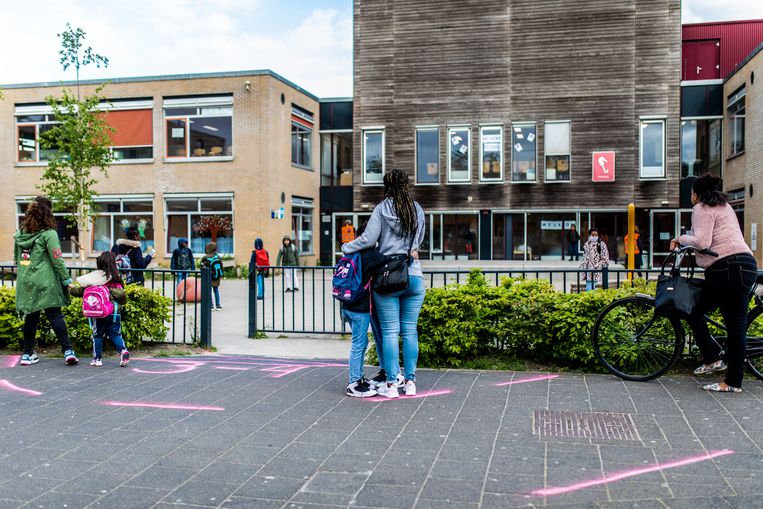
525, 380
170, 406
286, 369
231, 368
7, 385
424, 394
12, 361
631, 473
180, 368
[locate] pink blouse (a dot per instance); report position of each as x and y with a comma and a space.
716, 228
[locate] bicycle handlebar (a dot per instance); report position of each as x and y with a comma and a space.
686, 249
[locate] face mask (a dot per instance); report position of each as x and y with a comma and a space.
594, 237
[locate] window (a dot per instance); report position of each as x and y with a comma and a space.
459, 156
427, 155
131, 120
736, 113
373, 156
700, 147
67, 230
491, 150
652, 149
202, 219
302, 224
557, 151
301, 137
524, 153
117, 215
199, 128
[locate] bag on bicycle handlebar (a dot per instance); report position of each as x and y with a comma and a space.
677, 296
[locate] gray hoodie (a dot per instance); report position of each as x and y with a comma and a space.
383, 228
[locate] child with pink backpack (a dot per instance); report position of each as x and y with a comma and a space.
102, 293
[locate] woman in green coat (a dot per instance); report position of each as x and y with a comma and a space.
42, 278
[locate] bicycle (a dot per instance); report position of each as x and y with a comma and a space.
635, 343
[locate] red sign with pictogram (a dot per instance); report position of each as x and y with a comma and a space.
604, 166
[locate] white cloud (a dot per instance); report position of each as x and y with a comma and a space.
699, 11
184, 36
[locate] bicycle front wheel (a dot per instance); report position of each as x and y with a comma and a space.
754, 350
634, 343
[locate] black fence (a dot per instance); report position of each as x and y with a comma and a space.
312, 310
190, 322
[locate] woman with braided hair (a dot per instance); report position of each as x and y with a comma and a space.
397, 225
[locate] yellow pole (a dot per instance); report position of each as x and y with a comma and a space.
630, 246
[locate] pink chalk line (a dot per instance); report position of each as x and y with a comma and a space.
630, 473
231, 368
424, 394
7, 385
11, 361
525, 380
170, 406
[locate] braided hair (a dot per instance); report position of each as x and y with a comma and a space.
396, 188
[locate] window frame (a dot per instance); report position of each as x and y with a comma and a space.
27, 200
199, 104
310, 132
468, 129
122, 199
298, 202
645, 120
547, 153
736, 101
426, 128
363, 132
198, 212
521, 125
501, 155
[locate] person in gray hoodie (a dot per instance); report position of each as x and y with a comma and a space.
397, 225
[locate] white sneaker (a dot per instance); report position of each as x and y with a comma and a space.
96, 362
360, 389
400, 381
388, 391
409, 388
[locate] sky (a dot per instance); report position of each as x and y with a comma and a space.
308, 42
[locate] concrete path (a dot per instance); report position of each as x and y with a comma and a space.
254, 432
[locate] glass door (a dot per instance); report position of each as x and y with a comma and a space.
664, 226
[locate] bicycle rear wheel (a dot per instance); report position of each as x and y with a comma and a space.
634, 343
754, 351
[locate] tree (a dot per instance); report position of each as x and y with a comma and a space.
79, 142
213, 225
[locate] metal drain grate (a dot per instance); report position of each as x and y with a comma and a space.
561, 423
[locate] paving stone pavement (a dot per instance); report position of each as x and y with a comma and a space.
253, 432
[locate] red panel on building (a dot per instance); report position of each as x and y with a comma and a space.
723, 44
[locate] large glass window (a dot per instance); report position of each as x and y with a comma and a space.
460, 237
133, 136
199, 127
700, 147
66, 229
29, 130
301, 136
459, 154
373, 156
491, 153
117, 215
523, 153
427, 155
336, 159
302, 224
202, 219
736, 112
652, 149
546, 235
557, 151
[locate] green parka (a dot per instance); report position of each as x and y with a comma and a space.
42, 275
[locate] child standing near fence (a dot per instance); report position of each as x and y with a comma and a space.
215, 263
102, 292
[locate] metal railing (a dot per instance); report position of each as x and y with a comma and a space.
190, 322
312, 310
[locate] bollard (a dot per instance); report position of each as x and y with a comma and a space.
605, 277
205, 337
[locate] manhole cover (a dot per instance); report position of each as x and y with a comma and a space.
561, 423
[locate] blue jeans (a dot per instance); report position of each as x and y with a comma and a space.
590, 285
182, 276
398, 316
360, 323
260, 286
216, 293
110, 327
572, 250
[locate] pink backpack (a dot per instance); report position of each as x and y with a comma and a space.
97, 303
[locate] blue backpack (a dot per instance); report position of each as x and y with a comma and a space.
347, 283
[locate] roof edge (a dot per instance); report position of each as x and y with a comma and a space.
744, 62
731, 22
167, 77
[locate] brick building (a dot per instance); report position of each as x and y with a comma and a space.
239, 145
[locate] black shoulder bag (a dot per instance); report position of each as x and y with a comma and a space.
676, 295
392, 275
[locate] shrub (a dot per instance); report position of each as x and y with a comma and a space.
145, 317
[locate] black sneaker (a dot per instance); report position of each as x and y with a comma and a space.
360, 389
379, 378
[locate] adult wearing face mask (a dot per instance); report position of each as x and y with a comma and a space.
595, 256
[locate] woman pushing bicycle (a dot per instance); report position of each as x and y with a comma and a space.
729, 279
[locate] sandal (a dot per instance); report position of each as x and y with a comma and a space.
714, 367
716, 387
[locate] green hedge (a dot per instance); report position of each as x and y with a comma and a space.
145, 317
521, 318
